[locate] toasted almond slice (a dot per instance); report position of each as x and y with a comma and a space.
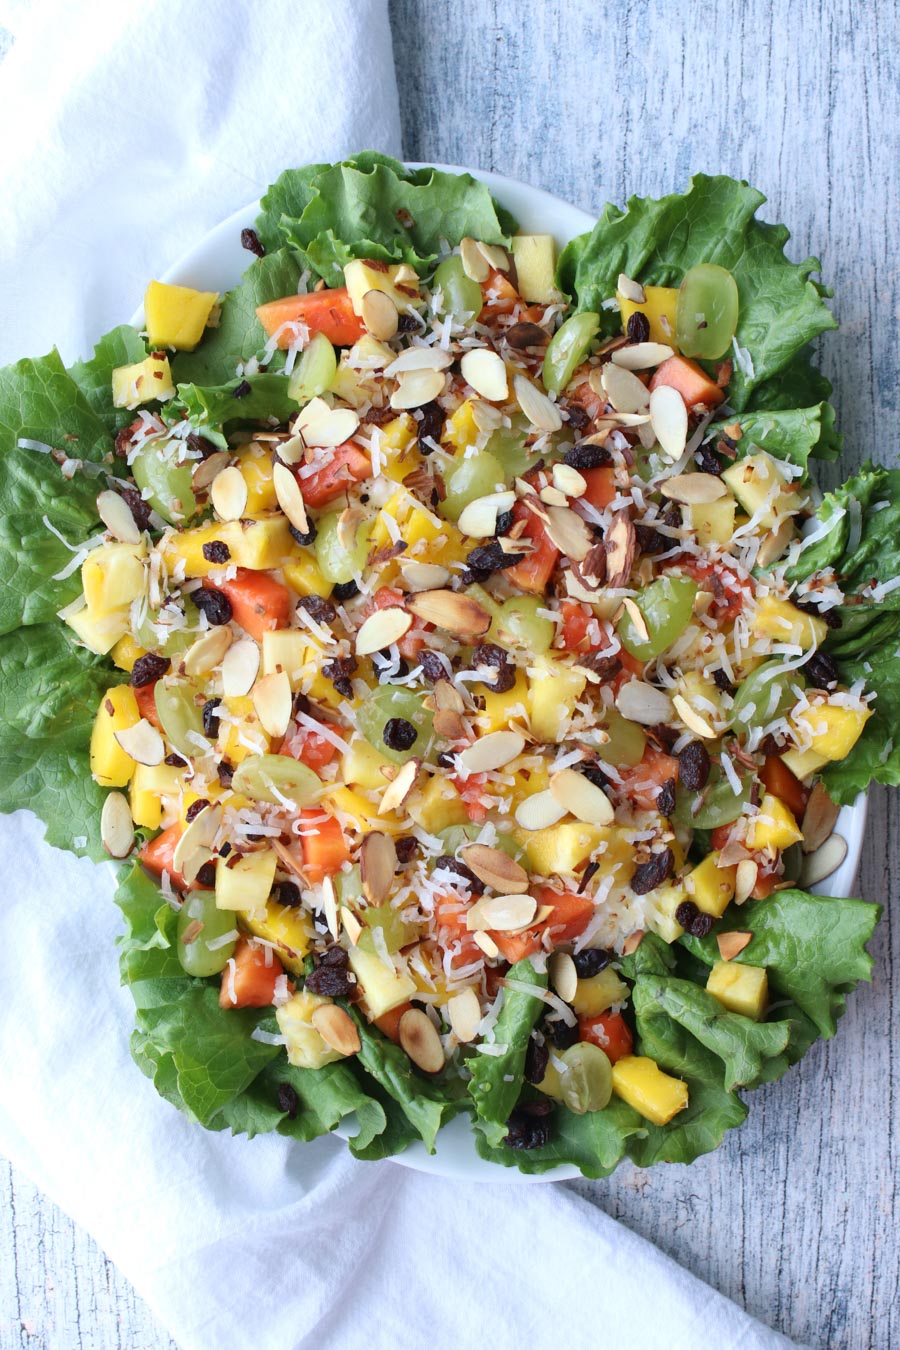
474, 263
745, 879
208, 469
827, 858
289, 861
539, 811
421, 576
485, 372
624, 390
640, 702
351, 925
501, 913
290, 497
451, 610
381, 629
348, 526
479, 519
568, 532
641, 355
323, 426
694, 489
631, 290
464, 1015
544, 913
240, 668
637, 618
379, 314
553, 496
491, 751
200, 833
632, 942
273, 701
228, 494
582, 798
116, 515
190, 868
208, 651
669, 420
569, 480
330, 907
495, 256
621, 542
732, 944
487, 944
447, 697
293, 450
646, 435
142, 742
563, 975
416, 388
496, 869
449, 725
337, 1029
396, 793
775, 543
486, 417
692, 719
541, 411
421, 1041
419, 358
116, 825
377, 865
819, 818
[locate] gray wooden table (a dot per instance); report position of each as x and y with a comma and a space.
796, 1216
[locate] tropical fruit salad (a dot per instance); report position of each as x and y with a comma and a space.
462, 663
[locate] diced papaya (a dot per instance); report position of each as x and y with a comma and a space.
328, 311
324, 846
348, 465
258, 601
250, 982
691, 381
778, 779
534, 571
610, 1031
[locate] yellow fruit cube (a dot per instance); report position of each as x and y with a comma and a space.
783, 622
126, 652
99, 632
383, 987
113, 576
774, 827
655, 1095
361, 766
240, 730
803, 763
713, 522
360, 276
437, 805
257, 470
285, 649
143, 382
289, 929
741, 989
363, 813
247, 884
176, 315
263, 544
558, 850
833, 730
661, 905
550, 1084
553, 691
535, 259
305, 1047
150, 784
502, 709
761, 488
301, 573
598, 993
460, 429
710, 886
110, 765
659, 309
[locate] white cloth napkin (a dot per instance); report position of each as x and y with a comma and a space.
137, 128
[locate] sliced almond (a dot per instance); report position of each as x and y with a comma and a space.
377, 865
290, 497
568, 532
191, 867
642, 355
501, 913
337, 1029
142, 742
454, 612
348, 526
485, 372
631, 290
541, 411
273, 701
415, 388
478, 520
474, 263
487, 944
325, 427
692, 719
379, 314
421, 576
621, 546
669, 420
200, 833
116, 825
449, 725
632, 942
553, 496
495, 256
640, 702
827, 858
637, 619
492, 751
624, 390
582, 798
396, 793
539, 811
732, 944
420, 1041
569, 480
464, 1015
351, 925
486, 417
208, 651
819, 818
116, 515
292, 451
563, 975
228, 494
419, 358
208, 469
447, 697
381, 629
240, 668
745, 879
694, 489
775, 543
289, 861
496, 869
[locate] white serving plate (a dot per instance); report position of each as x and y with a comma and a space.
216, 264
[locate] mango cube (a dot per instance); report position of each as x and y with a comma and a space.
143, 382
713, 522
833, 730
126, 652
301, 574
361, 766
502, 709
710, 886
150, 784
655, 1095
761, 488
437, 805
660, 912
247, 885
553, 691
112, 576
289, 929
305, 1047
257, 472
460, 429
383, 987
110, 765
774, 827
741, 989
783, 622
803, 763
598, 993
360, 276
658, 308
176, 315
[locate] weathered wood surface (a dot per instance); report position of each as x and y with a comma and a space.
796, 1217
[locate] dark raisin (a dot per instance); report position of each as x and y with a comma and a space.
526, 1131
304, 537
175, 761
407, 847
148, 669
521, 336
707, 462
831, 616
693, 766
492, 558
392, 675
672, 518
330, 977
433, 666
473, 576
722, 682
538, 1107
446, 863
201, 445
649, 540
322, 611
195, 808
287, 893
215, 605
398, 734
559, 1032
339, 672
207, 875
587, 876
407, 323
344, 590
225, 772
821, 670
606, 667
587, 457
664, 736
594, 774
537, 1057
211, 716
225, 850
590, 962
446, 759
702, 925
251, 242
638, 328
505, 522
686, 913
431, 425
288, 1101
242, 390
649, 875
140, 510
665, 800
495, 658
217, 551
577, 417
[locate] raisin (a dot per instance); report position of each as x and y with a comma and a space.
242, 390
490, 655
521, 336
148, 669
287, 893
140, 510
195, 808
707, 462
722, 682
175, 761
594, 774
448, 864
665, 800
430, 427
831, 616
338, 672
225, 850
606, 667
638, 327
407, 323
702, 925
537, 1057
491, 557
587, 457
207, 875
344, 590
330, 977
446, 759
407, 847
288, 1101
122, 443
649, 540
215, 605
319, 609
821, 670
433, 666
251, 242
217, 551
693, 766
577, 417
304, 537
398, 734
472, 576
559, 1032
211, 717
505, 522
225, 772
201, 444
647, 876
590, 962
527, 1131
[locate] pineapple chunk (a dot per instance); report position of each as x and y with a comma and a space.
658, 308
150, 784
143, 382
660, 913
99, 632
110, 765
361, 766
741, 989
553, 692
363, 814
803, 763
437, 806
285, 649
713, 522
305, 1047
774, 827
710, 886
301, 573
289, 929
655, 1095
558, 850
761, 487
834, 730
360, 276
113, 576
595, 995
176, 315
126, 652
414, 521
256, 544
783, 622
233, 736
384, 988
257, 471
502, 709
248, 884
535, 259
358, 377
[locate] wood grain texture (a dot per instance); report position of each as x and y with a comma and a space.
796, 1217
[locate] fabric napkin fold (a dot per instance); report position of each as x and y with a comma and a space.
137, 129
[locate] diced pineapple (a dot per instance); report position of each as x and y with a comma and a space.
713, 522
761, 488
247, 885
658, 308
363, 814
833, 730
803, 763
460, 429
150, 784
256, 544
701, 694
655, 1095
598, 993
264, 543
412, 518
382, 987
99, 632
742, 989
289, 929
305, 1047
113, 576
661, 905
437, 805
285, 649
360, 276
553, 692
558, 850
143, 382
126, 652
535, 259
176, 315
501, 709
110, 765
361, 766
301, 573
243, 737
783, 622
357, 379
710, 886
257, 471
774, 827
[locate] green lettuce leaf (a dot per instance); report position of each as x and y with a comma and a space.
595, 1142
496, 1080
794, 434
215, 405
426, 1102
123, 346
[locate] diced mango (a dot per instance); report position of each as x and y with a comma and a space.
598, 993
257, 471
305, 1047
143, 382
741, 989
247, 884
110, 765
150, 784
713, 522
234, 736
550, 1084
553, 691
460, 429
113, 576
501, 709
655, 1095
659, 309
411, 517
382, 987
301, 573
834, 730
661, 905
289, 929
761, 488
535, 259
437, 805
774, 827
710, 886
783, 622
361, 766
363, 814
256, 544
176, 315
397, 281
558, 850
126, 652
